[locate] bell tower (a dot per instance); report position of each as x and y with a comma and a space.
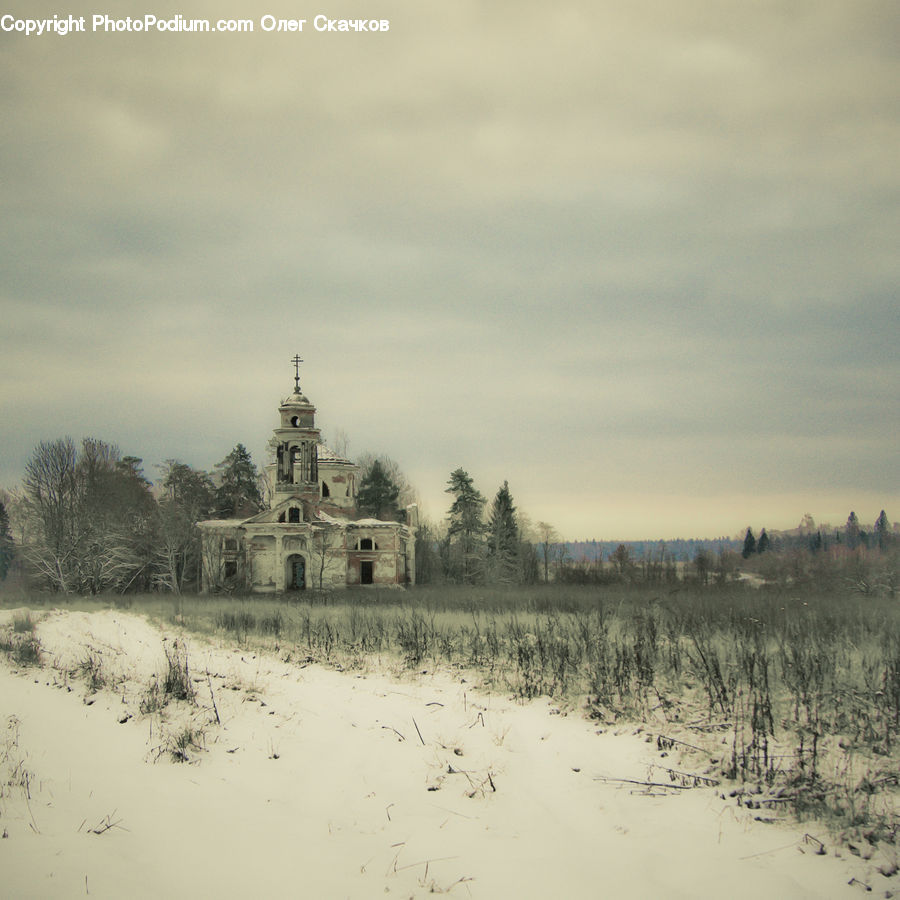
296, 440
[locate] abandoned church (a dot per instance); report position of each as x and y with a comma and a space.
312, 536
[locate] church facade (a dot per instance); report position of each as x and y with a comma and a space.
312, 536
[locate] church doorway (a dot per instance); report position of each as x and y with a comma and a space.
296, 573
365, 571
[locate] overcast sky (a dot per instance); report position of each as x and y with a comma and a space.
639, 259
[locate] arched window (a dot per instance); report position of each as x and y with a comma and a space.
325, 491
365, 543
293, 514
281, 517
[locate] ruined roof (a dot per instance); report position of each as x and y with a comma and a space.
354, 523
331, 520
370, 522
327, 455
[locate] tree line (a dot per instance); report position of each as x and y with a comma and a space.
87, 520
865, 562
881, 536
484, 543
495, 544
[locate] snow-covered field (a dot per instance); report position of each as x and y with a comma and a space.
300, 780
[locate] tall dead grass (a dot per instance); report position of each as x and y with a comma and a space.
804, 690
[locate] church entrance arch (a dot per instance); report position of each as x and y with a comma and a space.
295, 576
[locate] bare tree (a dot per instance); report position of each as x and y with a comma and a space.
19, 516
90, 514
339, 442
702, 565
429, 538
561, 557
51, 485
547, 537
325, 540
189, 496
213, 554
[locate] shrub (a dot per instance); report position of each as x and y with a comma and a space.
177, 682
23, 624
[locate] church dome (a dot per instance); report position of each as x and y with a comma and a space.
296, 399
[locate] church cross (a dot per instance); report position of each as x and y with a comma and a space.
296, 361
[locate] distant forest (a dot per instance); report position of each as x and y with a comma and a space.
679, 550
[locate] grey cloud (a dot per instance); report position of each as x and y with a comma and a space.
650, 234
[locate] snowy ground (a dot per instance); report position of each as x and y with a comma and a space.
320, 783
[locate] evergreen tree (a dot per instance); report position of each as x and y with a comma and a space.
466, 526
191, 490
378, 494
852, 531
407, 493
763, 543
237, 495
882, 531
702, 564
503, 537
621, 560
749, 544
7, 548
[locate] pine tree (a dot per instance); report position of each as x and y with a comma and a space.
192, 490
882, 531
621, 560
852, 531
763, 543
407, 493
749, 544
503, 537
7, 548
237, 495
465, 524
378, 494
702, 564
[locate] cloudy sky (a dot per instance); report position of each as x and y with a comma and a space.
639, 259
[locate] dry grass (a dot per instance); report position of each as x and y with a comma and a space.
794, 696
